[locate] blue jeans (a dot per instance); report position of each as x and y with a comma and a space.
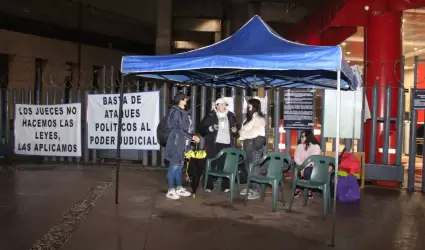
175, 172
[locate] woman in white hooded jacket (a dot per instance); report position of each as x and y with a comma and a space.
253, 137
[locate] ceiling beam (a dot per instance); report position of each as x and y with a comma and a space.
196, 24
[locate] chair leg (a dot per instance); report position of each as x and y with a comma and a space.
275, 190
232, 186
282, 190
238, 187
220, 184
205, 181
305, 197
263, 191
325, 201
294, 187
246, 195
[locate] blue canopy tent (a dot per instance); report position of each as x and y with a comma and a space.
255, 56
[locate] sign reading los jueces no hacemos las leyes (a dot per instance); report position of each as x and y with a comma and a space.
48, 130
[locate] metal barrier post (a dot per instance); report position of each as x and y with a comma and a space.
154, 153
78, 159
360, 142
322, 125
203, 109
145, 152
46, 158
412, 137
400, 126
164, 113
374, 113
412, 146
243, 100
70, 158
387, 117
266, 116
276, 123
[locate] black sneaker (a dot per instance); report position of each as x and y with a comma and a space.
297, 193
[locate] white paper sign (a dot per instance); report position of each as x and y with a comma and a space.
350, 118
139, 122
49, 130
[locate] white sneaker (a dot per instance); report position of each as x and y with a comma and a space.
171, 194
253, 195
243, 192
183, 192
226, 190
208, 190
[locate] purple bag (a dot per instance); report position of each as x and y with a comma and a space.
348, 189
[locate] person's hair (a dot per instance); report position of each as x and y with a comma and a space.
309, 139
256, 108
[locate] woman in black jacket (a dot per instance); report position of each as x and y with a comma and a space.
219, 129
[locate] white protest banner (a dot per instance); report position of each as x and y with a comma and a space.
139, 122
49, 130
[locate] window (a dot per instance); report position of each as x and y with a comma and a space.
38, 79
4, 82
69, 78
96, 77
4, 70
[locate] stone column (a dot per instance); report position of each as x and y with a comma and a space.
164, 27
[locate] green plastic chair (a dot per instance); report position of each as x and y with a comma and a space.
230, 169
320, 179
278, 162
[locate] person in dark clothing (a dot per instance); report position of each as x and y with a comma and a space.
178, 142
219, 129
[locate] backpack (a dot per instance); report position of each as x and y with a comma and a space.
162, 131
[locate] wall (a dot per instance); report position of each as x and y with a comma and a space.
24, 49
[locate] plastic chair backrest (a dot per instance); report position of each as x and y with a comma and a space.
320, 173
232, 160
276, 161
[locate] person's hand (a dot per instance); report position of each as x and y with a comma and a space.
196, 139
234, 129
215, 127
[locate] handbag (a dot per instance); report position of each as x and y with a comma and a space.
348, 189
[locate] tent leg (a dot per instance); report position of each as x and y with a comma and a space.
118, 160
338, 113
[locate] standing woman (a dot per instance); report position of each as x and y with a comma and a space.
307, 146
219, 128
253, 137
178, 142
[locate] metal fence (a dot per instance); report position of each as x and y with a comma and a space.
50, 90
107, 80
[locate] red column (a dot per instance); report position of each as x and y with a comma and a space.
383, 50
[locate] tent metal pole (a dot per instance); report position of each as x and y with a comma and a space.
338, 113
118, 160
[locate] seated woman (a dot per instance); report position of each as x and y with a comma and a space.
307, 146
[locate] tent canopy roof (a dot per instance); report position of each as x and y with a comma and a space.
255, 56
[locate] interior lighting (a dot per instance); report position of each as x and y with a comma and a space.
344, 43
348, 52
366, 7
415, 49
348, 61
